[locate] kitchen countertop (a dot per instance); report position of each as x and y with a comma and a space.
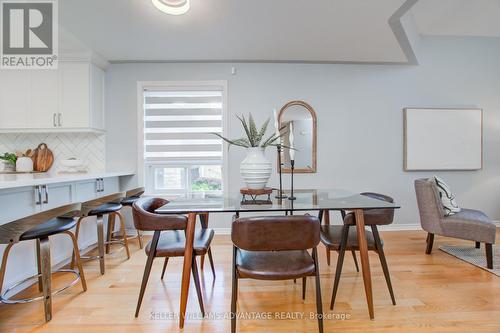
34, 179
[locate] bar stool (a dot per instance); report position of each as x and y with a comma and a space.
40, 227
131, 196
109, 206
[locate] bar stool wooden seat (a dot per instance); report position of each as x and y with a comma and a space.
109, 206
40, 227
115, 236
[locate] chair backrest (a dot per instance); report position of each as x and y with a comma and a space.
375, 216
136, 192
429, 205
276, 233
145, 218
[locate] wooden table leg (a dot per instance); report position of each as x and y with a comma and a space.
365, 264
186, 270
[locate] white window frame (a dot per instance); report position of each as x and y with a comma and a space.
169, 85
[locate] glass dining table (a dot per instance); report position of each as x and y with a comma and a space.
308, 200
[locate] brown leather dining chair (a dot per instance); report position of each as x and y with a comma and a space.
275, 248
343, 238
168, 241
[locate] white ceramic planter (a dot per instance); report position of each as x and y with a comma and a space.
255, 168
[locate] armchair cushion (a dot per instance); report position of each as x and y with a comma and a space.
469, 224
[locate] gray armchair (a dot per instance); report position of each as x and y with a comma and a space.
468, 224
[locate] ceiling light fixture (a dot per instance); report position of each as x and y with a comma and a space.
172, 7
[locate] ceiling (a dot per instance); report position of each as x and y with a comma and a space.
350, 31
478, 18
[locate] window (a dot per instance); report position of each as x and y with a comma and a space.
181, 155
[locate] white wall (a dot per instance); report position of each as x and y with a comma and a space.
359, 108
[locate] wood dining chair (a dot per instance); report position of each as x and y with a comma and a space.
275, 248
342, 238
168, 241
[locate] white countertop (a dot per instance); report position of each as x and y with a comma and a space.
34, 179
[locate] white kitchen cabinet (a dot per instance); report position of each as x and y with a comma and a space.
68, 99
44, 99
14, 98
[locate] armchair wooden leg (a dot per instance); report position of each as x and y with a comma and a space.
355, 260
211, 260
489, 255
164, 267
478, 245
383, 261
46, 277
430, 242
340, 262
196, 278
319, 304
304, 282
147, 270
234, 293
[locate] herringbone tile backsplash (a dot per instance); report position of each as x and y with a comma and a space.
88, 147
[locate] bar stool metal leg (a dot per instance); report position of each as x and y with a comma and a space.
4, 264
78, 259
124, 233
100, 241
46, 276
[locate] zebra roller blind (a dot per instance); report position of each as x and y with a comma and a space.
178, 124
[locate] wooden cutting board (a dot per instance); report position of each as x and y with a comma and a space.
43, 158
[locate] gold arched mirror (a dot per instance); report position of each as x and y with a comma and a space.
301, 117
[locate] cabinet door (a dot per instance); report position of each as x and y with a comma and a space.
97, 98
86, 190
17, 203
111, 185
44, 97
74, 92
56, 195
14, 98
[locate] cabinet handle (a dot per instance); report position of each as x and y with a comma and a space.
59, 116
45, 188
102, 185
54, 120
38, 195
97, 185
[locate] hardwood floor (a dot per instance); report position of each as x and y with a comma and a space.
434, 293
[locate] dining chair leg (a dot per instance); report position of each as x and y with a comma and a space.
304, 282
196, 278
383, 261
327, 255
147, 269
234, 293
340, 262
211, 260
204, 224
124, 233
110, 230
319, 304
39, 265
202, 261
478, 245
139, 238
77, 232
3, 267
489, 255
46, 277
78, 259
355, 260
430, 242
100, 242
164, 267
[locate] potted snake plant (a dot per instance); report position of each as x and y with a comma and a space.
255, 169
